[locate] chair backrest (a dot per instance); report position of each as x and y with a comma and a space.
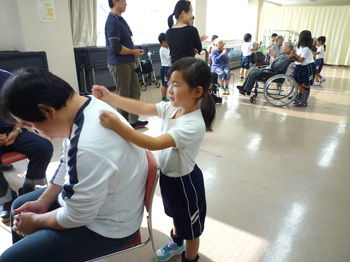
151, 183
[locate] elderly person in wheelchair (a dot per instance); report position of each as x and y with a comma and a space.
279, 66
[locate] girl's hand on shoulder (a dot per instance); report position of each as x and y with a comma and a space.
101, 92
110, 120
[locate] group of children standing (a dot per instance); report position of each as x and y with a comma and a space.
307, 71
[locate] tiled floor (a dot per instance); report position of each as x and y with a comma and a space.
277, 179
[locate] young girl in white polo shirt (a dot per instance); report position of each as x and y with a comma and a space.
305, 69
186, 117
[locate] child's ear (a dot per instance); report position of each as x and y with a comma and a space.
198, 92
47, 111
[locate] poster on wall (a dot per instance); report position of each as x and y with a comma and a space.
46, 10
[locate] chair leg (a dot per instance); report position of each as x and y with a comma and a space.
150, 232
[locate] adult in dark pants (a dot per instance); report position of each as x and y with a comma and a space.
122, 58
276, 67
15, 138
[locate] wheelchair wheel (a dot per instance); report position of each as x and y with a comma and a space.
279, 88
253, 99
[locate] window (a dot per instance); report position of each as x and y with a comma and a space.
229, 19
147, 19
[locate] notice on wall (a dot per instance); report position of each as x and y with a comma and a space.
46, 10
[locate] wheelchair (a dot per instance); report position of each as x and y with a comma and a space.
280, 88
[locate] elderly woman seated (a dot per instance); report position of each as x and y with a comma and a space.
277, 67
275, 50
220, 60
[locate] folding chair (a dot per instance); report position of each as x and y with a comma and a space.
11, 157
152, 179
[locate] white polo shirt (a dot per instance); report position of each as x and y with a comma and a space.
188, 132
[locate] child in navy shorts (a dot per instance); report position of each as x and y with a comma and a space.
320, 60
247, 49
305, 69
165, 60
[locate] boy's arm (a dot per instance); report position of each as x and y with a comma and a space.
111, 121
255, 47
127, 104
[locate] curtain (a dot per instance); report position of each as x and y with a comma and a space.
83, 22
330, 21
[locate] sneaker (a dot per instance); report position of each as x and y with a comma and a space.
301, 104
6, 208
169, 250
227, 92
317, 84
322, 80
139, 124
6, 168
241, 80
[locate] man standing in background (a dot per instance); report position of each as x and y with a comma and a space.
122, 58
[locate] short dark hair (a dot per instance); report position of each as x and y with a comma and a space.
27, 88
196, 73
247, 36
274, 35
214, 37
110, 2
161, 37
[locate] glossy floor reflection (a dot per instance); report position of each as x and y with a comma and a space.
277, 179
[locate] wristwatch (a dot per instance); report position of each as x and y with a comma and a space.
19, 129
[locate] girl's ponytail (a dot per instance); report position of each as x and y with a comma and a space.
170, 20
207, 106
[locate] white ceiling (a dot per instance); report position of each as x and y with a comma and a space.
310, 2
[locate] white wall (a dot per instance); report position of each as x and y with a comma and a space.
22, 30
